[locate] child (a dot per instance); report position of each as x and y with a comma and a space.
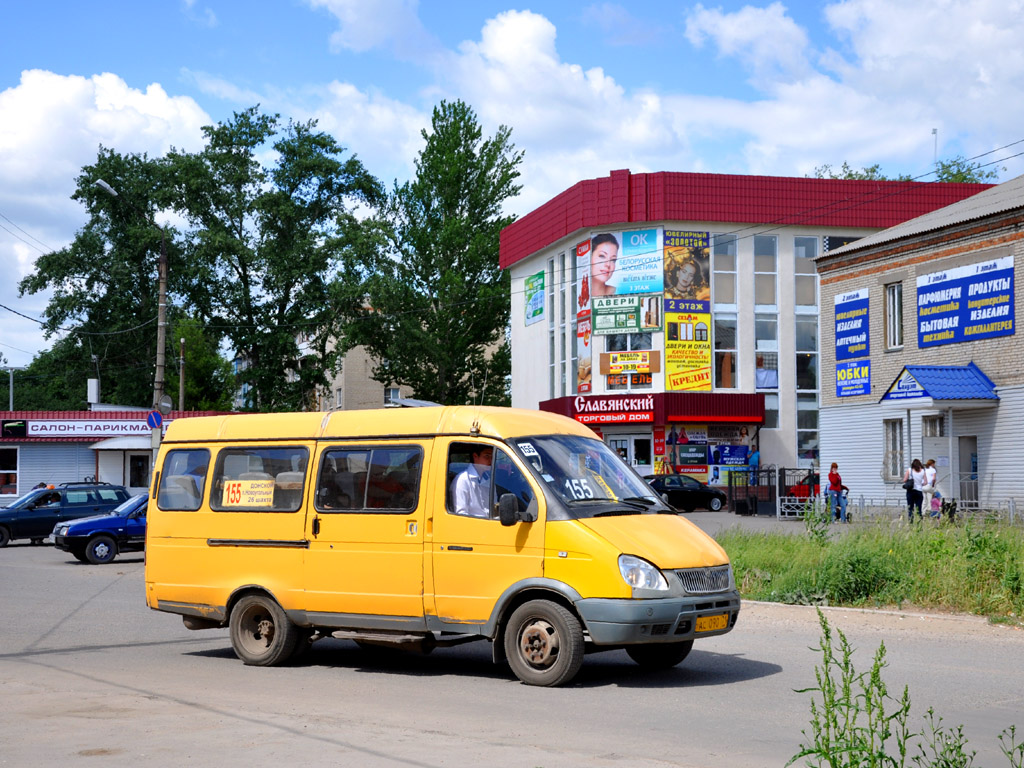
936, 503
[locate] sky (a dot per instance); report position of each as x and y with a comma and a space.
760, 88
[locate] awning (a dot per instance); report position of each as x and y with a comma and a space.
130, 443
941, 386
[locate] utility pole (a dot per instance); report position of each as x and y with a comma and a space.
181, 375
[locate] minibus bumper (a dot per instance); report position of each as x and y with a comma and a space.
661, 620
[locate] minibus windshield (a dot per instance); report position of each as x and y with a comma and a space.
588, 475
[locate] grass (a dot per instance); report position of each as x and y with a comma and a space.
973, 568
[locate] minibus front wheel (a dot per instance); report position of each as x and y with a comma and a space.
261, 634
544, 643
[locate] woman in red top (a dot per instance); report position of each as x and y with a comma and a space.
836, 499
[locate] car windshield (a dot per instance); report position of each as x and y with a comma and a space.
587, 476
128, 505
22, 501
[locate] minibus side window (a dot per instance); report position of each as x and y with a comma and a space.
183, 479
259, 479
474, 489
369, 479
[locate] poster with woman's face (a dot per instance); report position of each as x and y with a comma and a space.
687, 265
626, 263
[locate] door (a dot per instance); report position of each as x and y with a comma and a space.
136, 470
365, 552
635, 450
968, 450
475, 559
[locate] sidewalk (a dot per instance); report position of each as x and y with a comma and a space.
714, 522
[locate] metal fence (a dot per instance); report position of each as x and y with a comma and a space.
790, 493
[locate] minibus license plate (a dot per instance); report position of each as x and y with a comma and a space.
711, 623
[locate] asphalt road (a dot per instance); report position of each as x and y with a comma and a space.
90, 676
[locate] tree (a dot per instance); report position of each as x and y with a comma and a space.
436, 303
264, 244
959, 170
209, 382
104, 289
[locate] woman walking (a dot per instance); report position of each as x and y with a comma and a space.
915, 493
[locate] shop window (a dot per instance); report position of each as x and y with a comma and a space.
724, 269
8, 471
628, 342
724, 343
765, 270
894, 316
771, 411
807, 428
805, 249
892, 462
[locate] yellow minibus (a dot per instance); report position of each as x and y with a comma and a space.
427, 527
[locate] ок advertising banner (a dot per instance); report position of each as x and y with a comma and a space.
687, 265
852, 339
965, 303
626, 263
687, 345
853, 377
533, 290
625, 314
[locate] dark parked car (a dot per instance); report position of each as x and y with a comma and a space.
97, 540
686, 493
34, 515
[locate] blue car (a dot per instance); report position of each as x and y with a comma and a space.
97, 540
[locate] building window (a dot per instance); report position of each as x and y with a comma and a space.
339, 399
724, 269
807, 352
724, 343
391, 395
574, 320
628, 342
933, 426
807, 428
893, 457
771, 411
766, 345
894, 316
805, 249
550, 308
765, 270
8, 471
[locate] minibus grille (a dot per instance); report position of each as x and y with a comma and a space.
704, 580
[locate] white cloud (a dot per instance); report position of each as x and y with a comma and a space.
765, 40
392, 24
50, 126
620, 26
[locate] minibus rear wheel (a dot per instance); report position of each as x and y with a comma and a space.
261, 634
659, 655
544, 643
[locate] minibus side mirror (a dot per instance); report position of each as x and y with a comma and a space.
508, 506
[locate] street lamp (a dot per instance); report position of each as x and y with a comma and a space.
161, 313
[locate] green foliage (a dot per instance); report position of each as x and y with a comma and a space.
436, 302
209, 382
858, 724
817, 520
974, 568
104, 290
959, 170
265, 244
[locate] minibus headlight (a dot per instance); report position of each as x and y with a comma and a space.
640, 574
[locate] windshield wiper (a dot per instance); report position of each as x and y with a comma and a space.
646, 501
617, 512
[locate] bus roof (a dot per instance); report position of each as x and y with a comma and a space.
383, 422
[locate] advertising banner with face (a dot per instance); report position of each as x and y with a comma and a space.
626, 263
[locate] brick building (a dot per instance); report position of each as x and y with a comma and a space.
920, 352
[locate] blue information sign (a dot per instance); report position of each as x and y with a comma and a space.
853, 378
966, 303
852, 338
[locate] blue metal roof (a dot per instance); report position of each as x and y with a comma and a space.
953, 382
